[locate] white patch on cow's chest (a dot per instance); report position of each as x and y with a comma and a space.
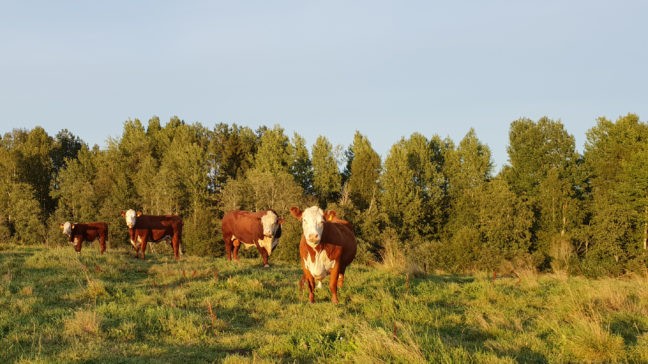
321, 265
266, 243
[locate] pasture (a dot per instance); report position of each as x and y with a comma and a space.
58, 306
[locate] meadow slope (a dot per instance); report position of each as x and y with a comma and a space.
62, 307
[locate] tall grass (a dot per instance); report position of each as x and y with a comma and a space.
64, 307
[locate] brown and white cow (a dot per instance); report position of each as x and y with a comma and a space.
89, 231
327, 246
261, 229
144, 228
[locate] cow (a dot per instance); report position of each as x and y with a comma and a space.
89, 231
261, 229
144, 228
327, 247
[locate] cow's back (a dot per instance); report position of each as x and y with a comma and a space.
246, 226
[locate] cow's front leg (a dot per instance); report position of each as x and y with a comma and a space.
237, 245
308, 277
264, 256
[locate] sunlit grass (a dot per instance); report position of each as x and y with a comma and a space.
65, 307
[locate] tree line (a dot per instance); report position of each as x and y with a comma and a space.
435, 201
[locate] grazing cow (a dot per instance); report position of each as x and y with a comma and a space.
144, 228
90, 231
327, 246
261, 229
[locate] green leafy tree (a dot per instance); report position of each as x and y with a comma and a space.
327, 182
274, 151
301, 167
543, 164
414, 188
230, 153
364, 169
615, 158
468, 169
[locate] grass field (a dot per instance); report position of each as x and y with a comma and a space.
61, 307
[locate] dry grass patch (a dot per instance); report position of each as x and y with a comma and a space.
83, 325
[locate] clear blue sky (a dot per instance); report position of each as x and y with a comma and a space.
385, 68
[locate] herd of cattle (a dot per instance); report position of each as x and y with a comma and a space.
327, 245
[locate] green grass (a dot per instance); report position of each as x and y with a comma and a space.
62, 307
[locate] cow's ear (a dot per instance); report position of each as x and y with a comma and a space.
139, 213
296, 212
280, 221
122, 213
330, 215
72, 226
61, 225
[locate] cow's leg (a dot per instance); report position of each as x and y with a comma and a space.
228, 247
264, 256
143, 245
237, 245
341, 277
78, 243
333, 283
102, 243
308, 277
176, 245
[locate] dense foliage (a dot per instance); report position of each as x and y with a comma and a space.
549, 208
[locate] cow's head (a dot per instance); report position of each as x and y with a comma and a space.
312, 223
131, 217
271, 230
66, 228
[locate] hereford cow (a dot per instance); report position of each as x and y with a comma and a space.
261, 229
327, 246
144, 228
90, 231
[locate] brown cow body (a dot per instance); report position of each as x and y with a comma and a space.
261, 229
89, 231
153, 228
327, 247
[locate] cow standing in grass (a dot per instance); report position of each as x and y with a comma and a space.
89, 231
261, 229
144, 228
327, 247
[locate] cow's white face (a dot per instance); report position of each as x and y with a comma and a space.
130, 216
313, 225
67, 228
270, 222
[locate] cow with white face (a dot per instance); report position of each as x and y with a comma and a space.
90, 231
261, 229
327, 247
131, 218
144, 228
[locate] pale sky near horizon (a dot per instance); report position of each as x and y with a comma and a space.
384, 68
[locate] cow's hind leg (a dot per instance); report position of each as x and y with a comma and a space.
228, 247
333, 285
176, 246
237, 245
143, 246
102, 244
